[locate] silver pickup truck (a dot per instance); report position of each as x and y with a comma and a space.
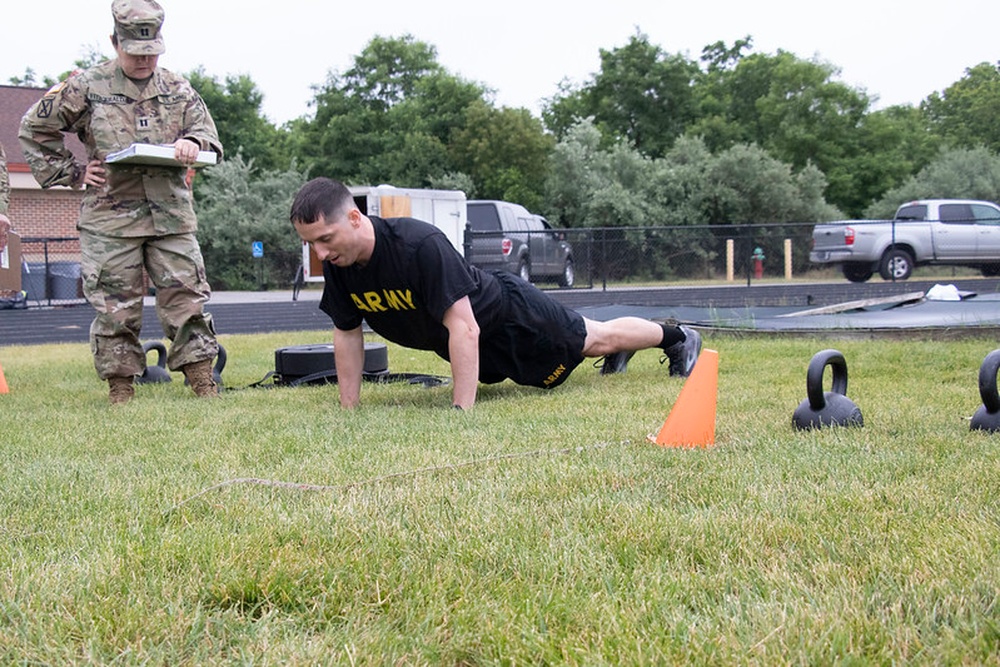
960, 232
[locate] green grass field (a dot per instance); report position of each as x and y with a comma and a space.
539, 528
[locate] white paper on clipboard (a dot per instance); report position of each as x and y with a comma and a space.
157, 155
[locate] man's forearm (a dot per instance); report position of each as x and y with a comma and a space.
349, 355
464, 353
466, 383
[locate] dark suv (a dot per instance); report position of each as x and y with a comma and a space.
506, 236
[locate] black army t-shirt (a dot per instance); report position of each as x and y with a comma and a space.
414, 276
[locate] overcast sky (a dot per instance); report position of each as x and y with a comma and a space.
899, 52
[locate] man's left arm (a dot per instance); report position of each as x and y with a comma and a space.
4, 183
4, 228
463, 350
4, 200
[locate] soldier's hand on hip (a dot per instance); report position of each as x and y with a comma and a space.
94, 174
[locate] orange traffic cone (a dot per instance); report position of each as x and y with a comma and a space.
691, 422
4, 389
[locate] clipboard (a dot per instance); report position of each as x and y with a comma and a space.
154, 154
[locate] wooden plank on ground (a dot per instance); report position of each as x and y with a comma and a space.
897, 299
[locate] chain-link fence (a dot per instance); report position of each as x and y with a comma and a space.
588, 258
604, 256
257, 266
50, 271
51, 276
568, 258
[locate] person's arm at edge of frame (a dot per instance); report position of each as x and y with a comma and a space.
349, 356
4, 228
463, 350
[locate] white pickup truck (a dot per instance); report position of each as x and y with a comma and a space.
960, 232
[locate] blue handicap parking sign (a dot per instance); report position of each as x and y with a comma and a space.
258, 248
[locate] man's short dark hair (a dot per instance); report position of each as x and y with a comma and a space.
320, 196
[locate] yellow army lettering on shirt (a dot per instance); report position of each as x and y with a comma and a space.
387, 299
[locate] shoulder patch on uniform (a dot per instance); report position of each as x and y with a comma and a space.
44, 107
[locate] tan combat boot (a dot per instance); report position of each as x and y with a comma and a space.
199, 376
122, 390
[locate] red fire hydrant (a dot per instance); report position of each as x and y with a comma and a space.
758, 262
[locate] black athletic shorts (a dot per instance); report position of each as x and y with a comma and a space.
537, 343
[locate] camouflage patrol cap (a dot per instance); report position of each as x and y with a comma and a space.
137, 25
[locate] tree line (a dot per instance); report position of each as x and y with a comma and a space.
651, 138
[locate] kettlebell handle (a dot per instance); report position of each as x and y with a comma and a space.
161, 351
220, 362
988, 382
814, 377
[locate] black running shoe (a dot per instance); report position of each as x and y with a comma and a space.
683, 355
616, 362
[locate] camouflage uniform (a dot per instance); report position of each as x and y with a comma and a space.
142, 217
4, 202
4, 183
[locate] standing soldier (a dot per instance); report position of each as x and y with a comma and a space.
4, 220
133, 215
4, 199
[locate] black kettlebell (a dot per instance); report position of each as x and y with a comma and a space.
987, 417
831, 408
157, 372
220, 363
